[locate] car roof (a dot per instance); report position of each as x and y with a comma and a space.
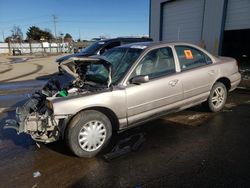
138, 44
144, 45
126, 39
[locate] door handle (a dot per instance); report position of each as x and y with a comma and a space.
173, 82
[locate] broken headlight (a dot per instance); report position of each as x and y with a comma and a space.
49, 105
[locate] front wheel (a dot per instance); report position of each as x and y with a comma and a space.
217, 97
88, 133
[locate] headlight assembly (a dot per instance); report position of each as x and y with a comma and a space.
49, 104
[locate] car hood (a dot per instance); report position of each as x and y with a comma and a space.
94, 60
81, 54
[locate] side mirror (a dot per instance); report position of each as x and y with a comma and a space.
140, 79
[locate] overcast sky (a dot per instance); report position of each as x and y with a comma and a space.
82, 18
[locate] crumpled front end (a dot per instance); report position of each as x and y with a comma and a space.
36, 118
42, 127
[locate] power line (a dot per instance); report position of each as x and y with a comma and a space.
23, 25
104, 21
26, 19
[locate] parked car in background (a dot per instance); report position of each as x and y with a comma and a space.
150, 80
101, 46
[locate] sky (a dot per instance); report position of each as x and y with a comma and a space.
83, 19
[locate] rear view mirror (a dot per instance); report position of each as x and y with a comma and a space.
140, 79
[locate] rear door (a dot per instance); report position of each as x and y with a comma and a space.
198, 73
161, 91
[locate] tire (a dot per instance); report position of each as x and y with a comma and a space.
88, 133
217, 98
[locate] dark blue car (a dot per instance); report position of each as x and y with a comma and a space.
101, 46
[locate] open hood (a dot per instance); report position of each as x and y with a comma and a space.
80, 54
88, 60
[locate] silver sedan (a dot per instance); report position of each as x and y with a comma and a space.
128, 86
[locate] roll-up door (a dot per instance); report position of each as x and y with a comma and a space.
238, 15
182, 20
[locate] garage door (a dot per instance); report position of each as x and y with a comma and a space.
238, 15
182, 20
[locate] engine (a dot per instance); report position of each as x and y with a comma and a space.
42, 128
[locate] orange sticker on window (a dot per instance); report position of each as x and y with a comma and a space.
188, 54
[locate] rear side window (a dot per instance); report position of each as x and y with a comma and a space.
190, 57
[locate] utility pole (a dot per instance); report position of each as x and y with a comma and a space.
79, 34
3, 35
55, 21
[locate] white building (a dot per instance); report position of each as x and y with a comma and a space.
221, 26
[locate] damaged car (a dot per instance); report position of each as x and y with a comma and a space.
127, 86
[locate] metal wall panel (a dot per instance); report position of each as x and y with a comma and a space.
214, 24
155, 18
238, 15
182, 20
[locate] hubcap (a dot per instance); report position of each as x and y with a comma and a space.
92, 135
218, 97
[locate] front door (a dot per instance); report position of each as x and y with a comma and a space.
160, 93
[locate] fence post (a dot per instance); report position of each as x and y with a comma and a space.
42, 47
30, 47
9, 47
50, 47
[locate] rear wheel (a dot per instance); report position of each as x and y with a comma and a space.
88, 133
217, 98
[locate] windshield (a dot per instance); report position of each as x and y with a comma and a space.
93, 48
121, 60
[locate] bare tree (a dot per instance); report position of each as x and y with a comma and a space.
16, 34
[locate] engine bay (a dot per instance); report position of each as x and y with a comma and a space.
36, 116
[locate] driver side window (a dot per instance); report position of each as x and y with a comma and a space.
157, 63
